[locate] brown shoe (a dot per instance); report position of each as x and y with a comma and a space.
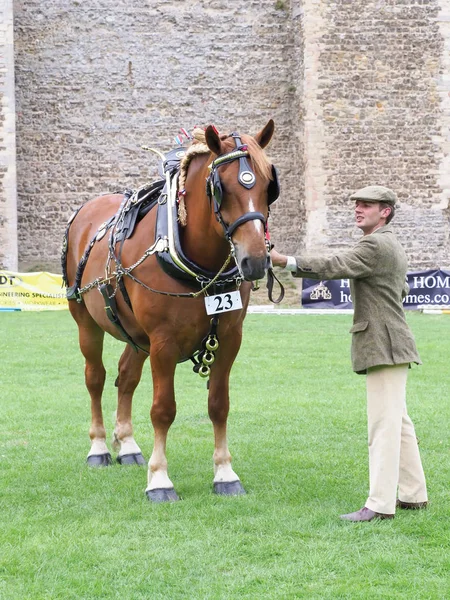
410, 505
365, 514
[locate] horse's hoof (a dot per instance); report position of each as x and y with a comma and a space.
229, 488
131, 459
99, 460
162, 495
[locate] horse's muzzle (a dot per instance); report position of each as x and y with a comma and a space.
254, 268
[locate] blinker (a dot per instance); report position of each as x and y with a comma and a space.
246, 178
273, 190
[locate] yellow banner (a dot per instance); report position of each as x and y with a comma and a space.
31, 291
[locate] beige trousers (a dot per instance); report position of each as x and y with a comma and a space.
394, 459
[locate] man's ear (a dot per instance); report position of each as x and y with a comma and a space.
383, 209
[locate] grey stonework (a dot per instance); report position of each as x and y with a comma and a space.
8, 191
380, 88
359, 91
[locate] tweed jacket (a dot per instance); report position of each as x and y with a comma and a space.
376, 267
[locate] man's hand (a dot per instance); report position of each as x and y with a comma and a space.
278, 260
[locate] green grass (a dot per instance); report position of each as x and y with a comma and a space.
297, 433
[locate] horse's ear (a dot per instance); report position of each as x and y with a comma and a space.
265, 135
212, 139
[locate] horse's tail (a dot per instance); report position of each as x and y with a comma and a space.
64, 249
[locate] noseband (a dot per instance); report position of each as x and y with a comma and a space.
246, 178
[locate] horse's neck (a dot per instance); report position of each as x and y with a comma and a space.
201, 240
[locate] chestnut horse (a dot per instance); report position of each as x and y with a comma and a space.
224, 226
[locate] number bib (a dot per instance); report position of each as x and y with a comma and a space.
223, 303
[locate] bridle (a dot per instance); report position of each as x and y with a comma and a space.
246, 178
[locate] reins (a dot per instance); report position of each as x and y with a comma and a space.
158, 246
167, 245
120, 272
181, 294
246, 178
271, 277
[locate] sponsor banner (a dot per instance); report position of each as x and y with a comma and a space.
31, 291
430, 289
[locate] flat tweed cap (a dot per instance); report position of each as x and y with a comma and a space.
375, 193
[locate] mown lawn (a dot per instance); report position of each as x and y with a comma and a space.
297, 433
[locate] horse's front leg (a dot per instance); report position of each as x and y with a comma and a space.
163, 411
226, 481
130, 371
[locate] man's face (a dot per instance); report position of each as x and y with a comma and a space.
370, 216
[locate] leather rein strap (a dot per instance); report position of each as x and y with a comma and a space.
271, 277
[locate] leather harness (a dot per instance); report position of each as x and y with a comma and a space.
167, 247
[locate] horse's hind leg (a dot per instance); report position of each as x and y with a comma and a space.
91, 345
130, 371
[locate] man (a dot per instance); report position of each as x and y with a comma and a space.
382, 348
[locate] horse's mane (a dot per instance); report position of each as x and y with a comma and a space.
261, 163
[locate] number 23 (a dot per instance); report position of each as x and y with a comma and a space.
227, 302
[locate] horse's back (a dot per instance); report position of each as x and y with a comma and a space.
87, 222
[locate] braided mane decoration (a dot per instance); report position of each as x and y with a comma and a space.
260, 161
197, 147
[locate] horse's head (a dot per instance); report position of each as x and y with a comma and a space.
241, 185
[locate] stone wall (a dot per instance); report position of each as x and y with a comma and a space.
8, 192
94, 84
359, 91
381, 99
